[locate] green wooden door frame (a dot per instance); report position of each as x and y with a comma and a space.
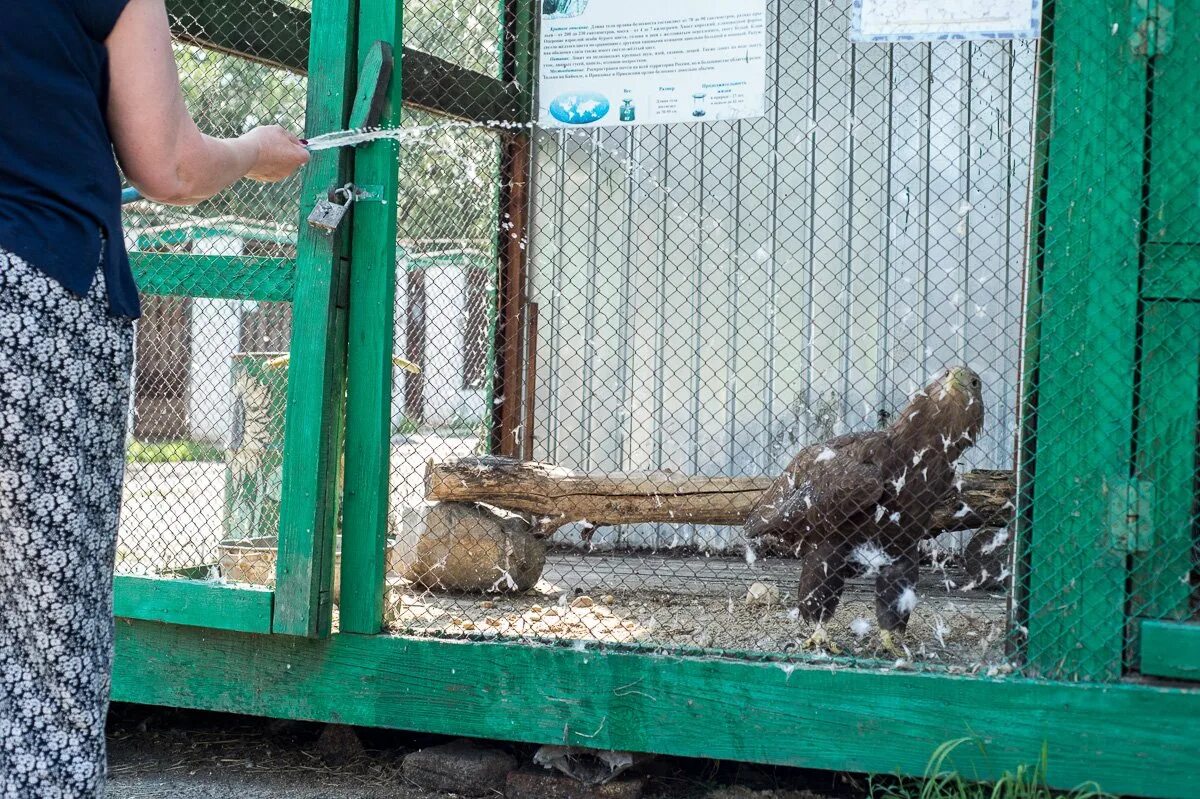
1078, 406
372, 296
316, 379
1167, 460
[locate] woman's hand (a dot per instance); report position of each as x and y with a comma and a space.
278, 154
158, 144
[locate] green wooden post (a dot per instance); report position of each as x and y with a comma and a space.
1170, 366
1083, 314
304, 584
372, 298
1166, 459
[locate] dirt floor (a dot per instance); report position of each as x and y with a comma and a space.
709, 602
158, 753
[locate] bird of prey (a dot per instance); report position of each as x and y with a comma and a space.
867, 499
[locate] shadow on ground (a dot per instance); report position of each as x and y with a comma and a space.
161, 752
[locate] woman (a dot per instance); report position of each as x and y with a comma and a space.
78, 79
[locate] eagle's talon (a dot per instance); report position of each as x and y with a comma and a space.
820, 640
894, 645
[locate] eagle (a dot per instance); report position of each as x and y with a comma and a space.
866, 500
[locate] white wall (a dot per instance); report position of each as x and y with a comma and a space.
445, 399
749, 287
215, 327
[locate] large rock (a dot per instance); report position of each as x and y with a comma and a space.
452, 546
339, 745
461, 767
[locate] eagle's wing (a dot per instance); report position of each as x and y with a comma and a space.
825, 486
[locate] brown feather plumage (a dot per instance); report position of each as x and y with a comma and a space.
877, 488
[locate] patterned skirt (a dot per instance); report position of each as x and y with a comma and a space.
65, 365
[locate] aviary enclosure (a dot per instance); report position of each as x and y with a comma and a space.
486, 459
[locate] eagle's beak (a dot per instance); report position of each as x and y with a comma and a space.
957, 379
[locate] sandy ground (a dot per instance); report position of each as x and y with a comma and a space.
157, 753
708, 602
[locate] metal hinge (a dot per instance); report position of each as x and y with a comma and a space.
1130, 514
1153, 27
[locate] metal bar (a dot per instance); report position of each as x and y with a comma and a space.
697, 305
926, 156
554, 345
513, 232
848, 266
768, 421
884, 356
807, 359
589, 301
530, 385
732, 300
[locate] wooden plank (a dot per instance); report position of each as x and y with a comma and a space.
1167, 459
276, 34
603, 498
236, 277
267, 31
1083, 310
438, 85
1171, 272
1174, 162
1130, 738
316, 380
192, 602
1170, 649
369, 372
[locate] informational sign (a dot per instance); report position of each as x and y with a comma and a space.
638, 62
936, 20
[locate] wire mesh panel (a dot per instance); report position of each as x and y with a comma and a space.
708, 302
202, 488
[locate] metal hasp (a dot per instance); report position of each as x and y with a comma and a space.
374, 79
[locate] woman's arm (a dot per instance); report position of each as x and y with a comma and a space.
159, 147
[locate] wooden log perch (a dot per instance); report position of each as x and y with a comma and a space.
558, 496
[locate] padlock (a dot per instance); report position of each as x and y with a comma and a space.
328, 213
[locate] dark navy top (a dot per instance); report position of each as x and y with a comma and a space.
60, 193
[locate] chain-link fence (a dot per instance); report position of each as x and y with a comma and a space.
705, 302
203, 475
761, 379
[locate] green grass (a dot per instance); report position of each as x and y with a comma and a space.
942, 782
172, 452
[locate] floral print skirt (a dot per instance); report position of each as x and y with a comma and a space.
65, 365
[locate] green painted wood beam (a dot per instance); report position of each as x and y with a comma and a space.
371, 344
1077, 424
316, 379
192, 602
1172, 271
266, 31
215, 276
276, 34
1169, 399
1170, 649
1133, 739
